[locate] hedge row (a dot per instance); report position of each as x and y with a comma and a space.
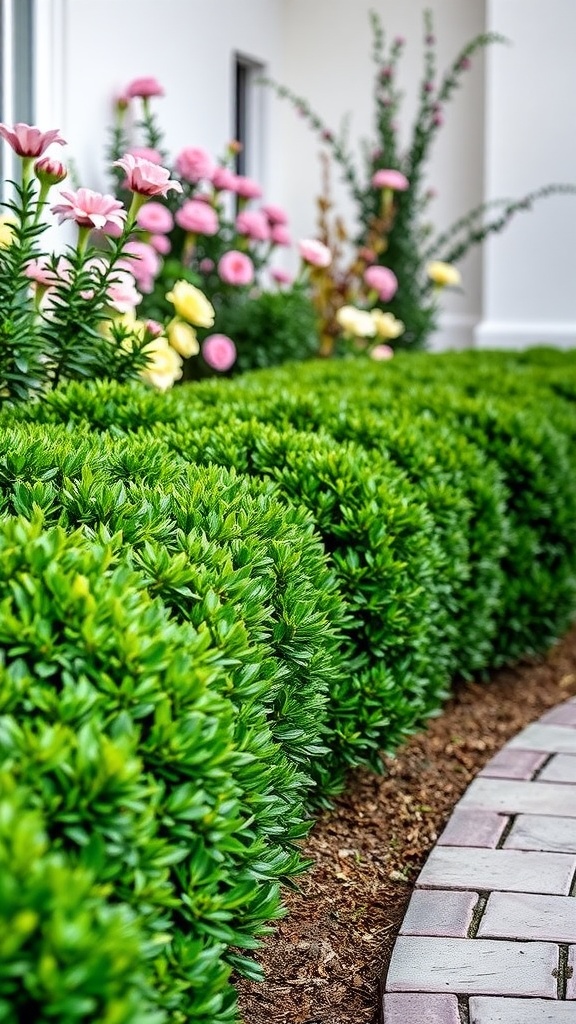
213, 603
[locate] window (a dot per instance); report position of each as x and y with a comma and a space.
247, 127
16, 69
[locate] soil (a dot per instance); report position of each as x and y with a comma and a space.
325, 960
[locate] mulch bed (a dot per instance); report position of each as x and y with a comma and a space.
325, 959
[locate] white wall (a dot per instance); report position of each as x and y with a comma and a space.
530, 270
88, 51
329, 46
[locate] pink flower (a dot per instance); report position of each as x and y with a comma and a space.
146, 153
206, 265
49, 171
27, 141
275, 214
121, 293
392, 179
381, 352
156, 218
40, 271
219, 351
90, 209
197, 217
280, 235
153, 328
253, 224
223, 179
281, 276
161, 243
315, 252
235, 267
143, 263
194, 164
146, 178
383, 281
144, 88
247, 188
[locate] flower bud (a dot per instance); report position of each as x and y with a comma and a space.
49, 171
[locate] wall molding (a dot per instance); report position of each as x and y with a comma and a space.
519, 335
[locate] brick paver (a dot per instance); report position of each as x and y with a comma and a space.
473, 828
473, 966
440, 913
540, 832
513, 764
489, 936
509, 870
400, 1007
561, 768
554, 739
488, 1010
521, 797
519, 915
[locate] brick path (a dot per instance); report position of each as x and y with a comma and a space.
489, 936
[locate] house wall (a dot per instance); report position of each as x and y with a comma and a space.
530, 270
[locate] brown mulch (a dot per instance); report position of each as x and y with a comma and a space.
325, 959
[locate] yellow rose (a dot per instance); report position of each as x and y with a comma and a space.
127, 320
6, 231
386, 325
164, 365
183, 338
191, 304
443, 275
357, 323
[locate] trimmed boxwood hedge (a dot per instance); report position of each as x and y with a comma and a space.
213, 603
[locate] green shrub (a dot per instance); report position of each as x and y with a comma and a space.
271, 328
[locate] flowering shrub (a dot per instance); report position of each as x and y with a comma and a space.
72, 315
392, 202
210, 236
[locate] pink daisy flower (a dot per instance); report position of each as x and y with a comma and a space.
146, 178
144, 88
236, 267
219, 351
90, 209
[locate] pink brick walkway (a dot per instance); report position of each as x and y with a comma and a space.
489, 936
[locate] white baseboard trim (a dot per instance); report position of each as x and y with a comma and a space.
516, 335
454, 333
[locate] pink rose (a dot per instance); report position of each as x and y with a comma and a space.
236, 267
161, 243
275, 214
156, 218
392, 179
197, 217
280, 235
383, 281
315, 252
253, 224
381, 352
219, 352
144, 88
194, 164
223, 179
247, 188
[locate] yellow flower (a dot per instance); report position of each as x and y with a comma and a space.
127, 320
357, 323
164, 366
443, 275
183, 338
6, 231
386, 325
191, 304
